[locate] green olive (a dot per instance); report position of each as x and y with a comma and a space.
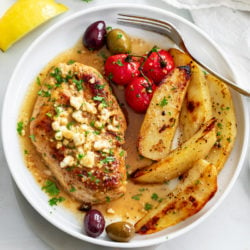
118, 42
121, 231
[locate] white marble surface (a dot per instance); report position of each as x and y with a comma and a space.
21, 227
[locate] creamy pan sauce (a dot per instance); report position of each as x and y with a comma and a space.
138, 198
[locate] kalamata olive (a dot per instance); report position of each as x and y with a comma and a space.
94, 36
118, 42
121, 231
94, 223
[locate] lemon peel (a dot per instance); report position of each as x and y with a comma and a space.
24, 16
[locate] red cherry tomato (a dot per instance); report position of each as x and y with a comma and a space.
138, 94
121, 69
157, 65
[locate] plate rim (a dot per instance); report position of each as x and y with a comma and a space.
159, 239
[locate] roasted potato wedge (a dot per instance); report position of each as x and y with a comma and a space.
197, 106
189, 197
226, 127
161, 119
181, 159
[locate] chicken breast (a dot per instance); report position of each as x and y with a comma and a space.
78, 128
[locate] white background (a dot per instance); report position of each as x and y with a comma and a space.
21, 227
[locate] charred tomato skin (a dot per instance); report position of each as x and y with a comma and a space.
157, 65
121, 69
138, 94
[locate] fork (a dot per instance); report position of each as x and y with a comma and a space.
170, 31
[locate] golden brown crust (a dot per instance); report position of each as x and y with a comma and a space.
105, 176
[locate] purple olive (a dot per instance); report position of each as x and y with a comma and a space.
95, 35
94, 223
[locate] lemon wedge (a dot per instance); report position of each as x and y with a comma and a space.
25, 15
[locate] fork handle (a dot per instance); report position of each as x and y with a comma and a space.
217, 75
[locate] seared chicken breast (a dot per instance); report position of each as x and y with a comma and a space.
78, 128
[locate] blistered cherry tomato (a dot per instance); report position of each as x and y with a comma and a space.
138, 94
121, 69
95, 35
157, 65
94, 223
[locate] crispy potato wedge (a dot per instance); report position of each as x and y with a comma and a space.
180, 159
161, 119
189, 197
226, 127
197, 106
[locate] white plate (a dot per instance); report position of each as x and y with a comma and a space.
64, 35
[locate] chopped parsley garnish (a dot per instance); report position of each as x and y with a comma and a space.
58, 110
49, 115
108, 199
148, 206
38, 81
108, 159
136, 197
57, 74
44, 93
118, 62
80, 156
119, 36
122, 153
32, 119
51, 188
108, 28
20, 128
70, 124
71, 62
78, 84
32, 137
73, 189
53, 201
26, 151
154, 196
163, 102
99, 86
98, 98
219, 125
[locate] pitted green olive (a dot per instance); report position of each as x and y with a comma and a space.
120, 231
118, 42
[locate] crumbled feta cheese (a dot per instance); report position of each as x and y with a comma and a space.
101, 144
89, 107
77, 115
115, 122
78, 139
112, 128
76, 101
63, 120
88, 160
65, 142
92, 80
85, 127
104, 115
55, 126
58, 145
59, 135
98, 124
68, 161
67, 134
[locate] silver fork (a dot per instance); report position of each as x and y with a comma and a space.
170, 31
